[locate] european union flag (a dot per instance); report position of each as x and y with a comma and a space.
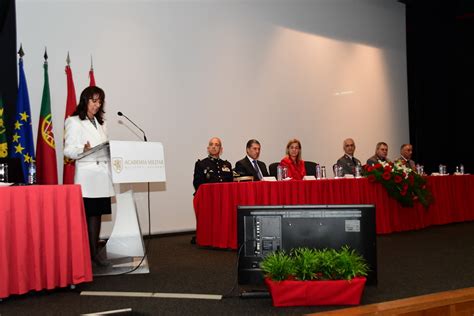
22, 142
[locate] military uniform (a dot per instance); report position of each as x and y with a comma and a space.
348, 165
212, 170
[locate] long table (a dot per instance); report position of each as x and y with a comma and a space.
216, 204
43, 238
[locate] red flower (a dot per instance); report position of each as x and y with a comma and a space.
387, 168
403, 192
370, 168
386, 175
405, 187
371, 178
398, 179
377, 166
411, 178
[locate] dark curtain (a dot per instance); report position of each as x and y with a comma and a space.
8, 60
440, 54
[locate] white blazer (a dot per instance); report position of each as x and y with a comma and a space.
93, 174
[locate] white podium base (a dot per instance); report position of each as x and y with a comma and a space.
125, 248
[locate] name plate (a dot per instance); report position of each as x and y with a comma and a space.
134, 162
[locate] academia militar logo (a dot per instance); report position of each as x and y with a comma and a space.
117, 164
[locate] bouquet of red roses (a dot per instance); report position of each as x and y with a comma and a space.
401, 182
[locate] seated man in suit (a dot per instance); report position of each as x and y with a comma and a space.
406, 151
381, 152
213, 168
250, 165
348, 161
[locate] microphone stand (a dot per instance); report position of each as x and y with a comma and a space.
144, 136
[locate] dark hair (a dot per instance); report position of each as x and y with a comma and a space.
87, 94
251, 142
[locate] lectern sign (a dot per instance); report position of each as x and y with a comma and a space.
134, 162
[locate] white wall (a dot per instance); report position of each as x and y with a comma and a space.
185, 71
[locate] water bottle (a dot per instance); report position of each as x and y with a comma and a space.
461, 169
32, 173
279, 173
318, 171
3, 172
358, 171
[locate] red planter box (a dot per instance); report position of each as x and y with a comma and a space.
307, 293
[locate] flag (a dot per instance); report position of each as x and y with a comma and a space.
69, 166
91, 77
22, 141
46, 166
3, 134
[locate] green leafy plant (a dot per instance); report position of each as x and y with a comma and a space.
349, 264
307, 264
278, 266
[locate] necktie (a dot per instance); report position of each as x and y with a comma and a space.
353, 161
255, 166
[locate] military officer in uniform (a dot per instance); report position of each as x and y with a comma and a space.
212, 169
348, 161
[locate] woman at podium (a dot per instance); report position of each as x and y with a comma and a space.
84, 130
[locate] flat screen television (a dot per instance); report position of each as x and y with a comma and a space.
263, 229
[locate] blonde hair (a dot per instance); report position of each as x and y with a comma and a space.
291, 142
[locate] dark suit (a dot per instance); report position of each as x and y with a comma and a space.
375, 159
244, 167
348, 165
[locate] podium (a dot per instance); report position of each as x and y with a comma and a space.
131, 162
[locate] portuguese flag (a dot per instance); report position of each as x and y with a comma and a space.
46, 166
3, 134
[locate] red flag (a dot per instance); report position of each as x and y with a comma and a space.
91, 77
69, 167
46, 166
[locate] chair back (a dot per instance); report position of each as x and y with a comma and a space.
310, 167
272, 169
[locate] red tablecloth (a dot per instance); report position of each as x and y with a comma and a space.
215, 205
43, 238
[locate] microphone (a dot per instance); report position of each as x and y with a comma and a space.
121, 114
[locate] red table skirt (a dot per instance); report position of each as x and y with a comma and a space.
43, 238
216, 204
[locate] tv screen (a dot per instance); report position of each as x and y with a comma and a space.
263, 229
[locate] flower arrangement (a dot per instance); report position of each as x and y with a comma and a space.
401, 182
